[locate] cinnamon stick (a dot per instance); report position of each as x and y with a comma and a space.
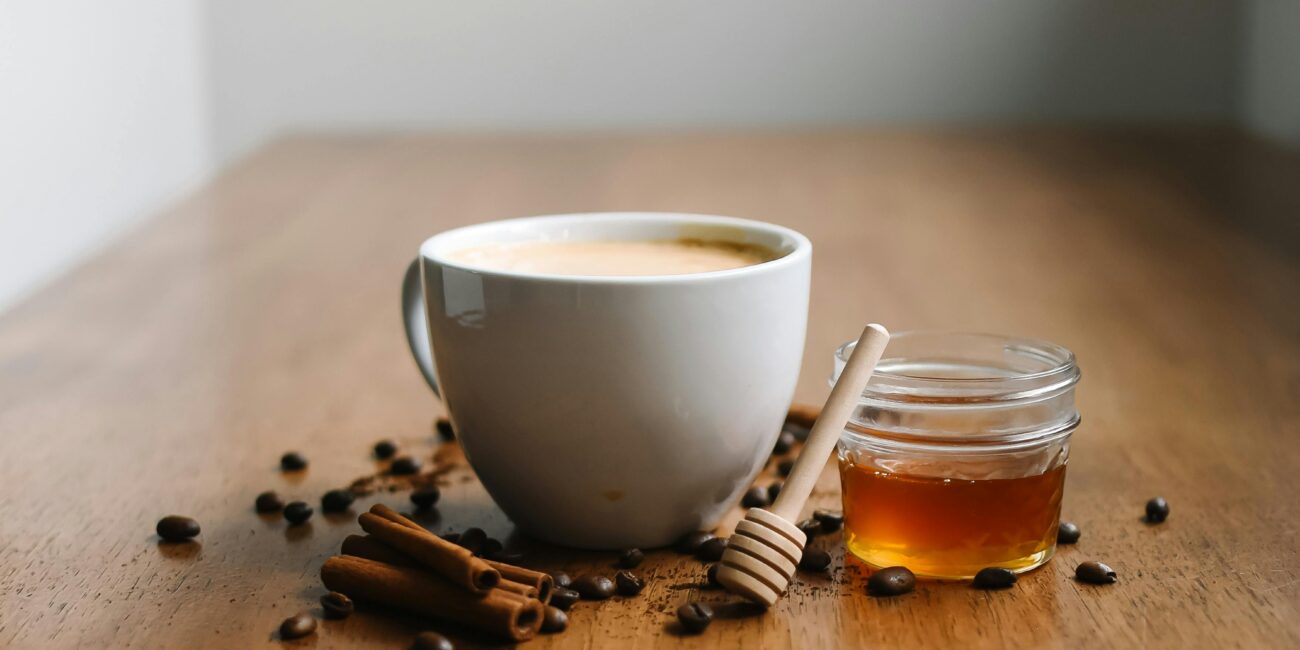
497, 612
541, 583
370, 548
803, 414
453, 562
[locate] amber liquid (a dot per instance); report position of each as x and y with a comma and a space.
950, 528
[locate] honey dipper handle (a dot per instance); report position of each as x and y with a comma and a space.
826, 431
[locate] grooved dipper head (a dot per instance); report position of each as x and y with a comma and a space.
761, 557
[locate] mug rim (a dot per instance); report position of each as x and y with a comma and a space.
801, 250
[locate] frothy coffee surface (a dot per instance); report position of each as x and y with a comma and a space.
672, 257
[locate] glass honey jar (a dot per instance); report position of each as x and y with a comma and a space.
954, 459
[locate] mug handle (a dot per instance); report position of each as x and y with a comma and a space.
417, 328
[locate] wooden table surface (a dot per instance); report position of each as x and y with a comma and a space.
261, 315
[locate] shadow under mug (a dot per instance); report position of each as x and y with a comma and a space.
608, 412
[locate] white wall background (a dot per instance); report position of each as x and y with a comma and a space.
110, 109
104, 116
587, 63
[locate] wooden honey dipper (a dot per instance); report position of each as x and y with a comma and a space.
765, 549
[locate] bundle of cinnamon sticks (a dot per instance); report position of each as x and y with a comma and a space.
401, 565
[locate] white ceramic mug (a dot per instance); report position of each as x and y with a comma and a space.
608, 412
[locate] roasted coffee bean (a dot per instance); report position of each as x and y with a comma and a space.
774, 491
268, 502
1095, 573
297, 512
631, 558
814, 560
451, 537
994, 578
337, 500
694, 617
785, 467
1157, 510
175, 528
561, 579
555, 620
564, 598
784, 441
385, 449
690, 542
712, 576
810, 527
491, 546
293, 461
1067, 533
404, 466
336, 605
892, 581
831, 520
431, 641
755, 497
799, 431
712, 550
592, 587
426, 497
445, 431
297, 626
473, 540
628, 583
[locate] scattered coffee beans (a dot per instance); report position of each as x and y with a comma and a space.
561, 579
175, 528
628, 583
1157, 510
491, 547
831, 520
784, 441
592, 587
444, 429
755, 497
385, 449
268, 502
1095, 573
690, 542
337, 501
994, 578
555, 620
694, 617
431, 641
631, 558
336, 605
785, 467
293, 461
810, 527
451, 537
404, 466
297, 512
892, 581
1067, 533
564, 598
426, 497
712, 577
473, 540
814, 560
712, 550
506, 557
774, 491
297, 626
799, 431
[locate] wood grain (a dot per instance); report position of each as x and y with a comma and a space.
261, 315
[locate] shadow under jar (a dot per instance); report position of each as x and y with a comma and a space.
954, 459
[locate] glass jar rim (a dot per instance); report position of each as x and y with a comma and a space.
940, 366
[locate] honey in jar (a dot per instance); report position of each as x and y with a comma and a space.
954, 459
